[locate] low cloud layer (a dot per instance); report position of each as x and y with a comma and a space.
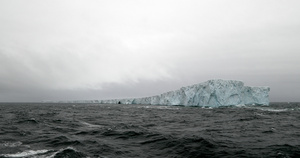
56, 50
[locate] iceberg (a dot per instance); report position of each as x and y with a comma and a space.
212, 93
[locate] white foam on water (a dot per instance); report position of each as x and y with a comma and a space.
277, 110
90, 125
11, 144
160, 107
167, 107
272, 110
37, 153
26, 153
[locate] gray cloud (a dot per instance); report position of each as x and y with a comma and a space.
83, 50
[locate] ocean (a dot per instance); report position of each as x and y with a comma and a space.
54, 130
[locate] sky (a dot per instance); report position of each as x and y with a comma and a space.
106, 49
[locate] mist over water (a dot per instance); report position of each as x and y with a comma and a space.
109, 130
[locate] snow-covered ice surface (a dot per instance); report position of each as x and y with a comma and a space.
212, 93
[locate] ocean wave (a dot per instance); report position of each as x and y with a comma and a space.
54, 131
68, 152
27, 153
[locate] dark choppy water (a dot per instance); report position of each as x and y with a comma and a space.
94, 130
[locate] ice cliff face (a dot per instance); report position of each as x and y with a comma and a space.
211, 93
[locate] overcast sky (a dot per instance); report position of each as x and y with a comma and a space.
96, 49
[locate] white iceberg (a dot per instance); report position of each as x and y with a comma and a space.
212, 93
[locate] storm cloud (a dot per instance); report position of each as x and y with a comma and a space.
71, 49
